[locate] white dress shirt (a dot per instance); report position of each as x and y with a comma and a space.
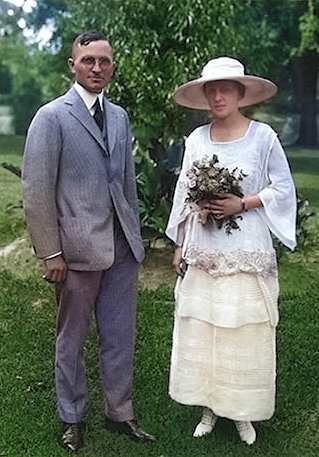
89, 98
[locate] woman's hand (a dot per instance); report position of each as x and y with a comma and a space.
177, 260
227, 205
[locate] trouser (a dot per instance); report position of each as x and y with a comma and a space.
111, 295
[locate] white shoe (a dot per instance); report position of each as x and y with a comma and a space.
206, 424
246, 431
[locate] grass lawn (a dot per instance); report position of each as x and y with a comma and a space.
11, 223
28, 422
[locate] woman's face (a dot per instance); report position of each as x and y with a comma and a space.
222, 97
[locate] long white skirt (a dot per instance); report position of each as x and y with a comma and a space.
231, 370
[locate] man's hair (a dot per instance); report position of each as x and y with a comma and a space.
86, 38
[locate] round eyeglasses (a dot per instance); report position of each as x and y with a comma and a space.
90, 61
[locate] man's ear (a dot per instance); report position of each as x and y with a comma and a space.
71, 64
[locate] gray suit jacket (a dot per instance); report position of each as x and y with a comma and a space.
73, 183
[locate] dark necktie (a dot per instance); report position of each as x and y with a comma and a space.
98, 114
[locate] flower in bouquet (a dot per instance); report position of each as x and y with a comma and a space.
209, 181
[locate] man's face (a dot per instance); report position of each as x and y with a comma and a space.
92, 65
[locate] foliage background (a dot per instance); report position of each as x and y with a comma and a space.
159, 45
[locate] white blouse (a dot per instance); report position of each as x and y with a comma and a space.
249, 249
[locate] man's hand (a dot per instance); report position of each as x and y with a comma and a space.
55, 269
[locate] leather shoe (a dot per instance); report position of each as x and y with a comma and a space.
130, 428
72, 438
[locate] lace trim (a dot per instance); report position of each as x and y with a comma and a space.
239, 261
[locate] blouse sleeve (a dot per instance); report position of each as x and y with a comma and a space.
279, 198
180, 210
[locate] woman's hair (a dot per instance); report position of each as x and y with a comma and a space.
241, 89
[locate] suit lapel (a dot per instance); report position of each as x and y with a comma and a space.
80, 112
111, 125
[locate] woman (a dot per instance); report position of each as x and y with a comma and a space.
223, 355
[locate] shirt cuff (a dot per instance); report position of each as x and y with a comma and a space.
52, 256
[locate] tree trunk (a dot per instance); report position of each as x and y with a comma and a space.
307, 69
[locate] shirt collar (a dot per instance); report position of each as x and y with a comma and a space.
89, 98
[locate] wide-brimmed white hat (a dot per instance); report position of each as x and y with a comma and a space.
191, 94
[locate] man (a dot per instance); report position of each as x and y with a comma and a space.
81, 210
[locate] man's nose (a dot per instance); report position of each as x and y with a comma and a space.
96, 66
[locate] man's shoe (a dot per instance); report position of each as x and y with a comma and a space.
130, 428
72, 437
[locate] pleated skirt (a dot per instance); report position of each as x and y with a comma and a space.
231, 370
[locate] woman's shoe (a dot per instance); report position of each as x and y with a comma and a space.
246, 431
206, 424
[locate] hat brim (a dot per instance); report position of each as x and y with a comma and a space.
191, 94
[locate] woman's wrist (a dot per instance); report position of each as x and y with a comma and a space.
251, 202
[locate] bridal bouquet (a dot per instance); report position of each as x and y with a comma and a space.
208, 181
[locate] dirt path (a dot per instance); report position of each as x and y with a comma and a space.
156, 270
